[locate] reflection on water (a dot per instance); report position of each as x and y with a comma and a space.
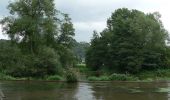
84, 92
26, 90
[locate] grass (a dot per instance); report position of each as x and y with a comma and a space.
49, 78
155, 74
82, 68
113, 77
148, 76
71, 75
101, 78
122, 77
54, 78
6, 77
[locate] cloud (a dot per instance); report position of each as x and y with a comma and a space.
84, 30
85, 13
89, 15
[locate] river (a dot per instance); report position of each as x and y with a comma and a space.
36, 90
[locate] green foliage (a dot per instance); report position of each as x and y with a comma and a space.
47, 62
113, 77
154, 74
71, 75
122, 77
11, 57
82, 68
6, 77
96, 53
40, 39
20, 65
101, 78
54, 77
132, 41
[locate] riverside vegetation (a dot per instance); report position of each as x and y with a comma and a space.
41, 46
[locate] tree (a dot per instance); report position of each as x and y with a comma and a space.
96, 52
30, 22
43, 35
65, 42
134, 41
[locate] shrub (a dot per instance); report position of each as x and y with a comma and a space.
154, 74
6, 77
113, 77
122, 77
71, 75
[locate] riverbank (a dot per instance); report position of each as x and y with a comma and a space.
148, 76
154, 75
47, 78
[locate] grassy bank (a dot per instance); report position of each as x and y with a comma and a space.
154, 75
72, 76
47, 78
113, 77
69, 75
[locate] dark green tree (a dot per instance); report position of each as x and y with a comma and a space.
65, 41
42, 34
132, 41
31, 21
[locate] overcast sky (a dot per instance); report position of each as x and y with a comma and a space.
89, 15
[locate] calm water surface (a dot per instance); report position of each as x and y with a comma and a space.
26, 90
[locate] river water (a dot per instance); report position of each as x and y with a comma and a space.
33, 90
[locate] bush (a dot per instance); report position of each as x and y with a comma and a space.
71, 75
113, 77
160, 73
15, 63
6, 77
54, 77
122, 77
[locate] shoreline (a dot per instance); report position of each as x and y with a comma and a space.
86, 81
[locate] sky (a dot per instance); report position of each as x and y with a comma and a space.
90, 15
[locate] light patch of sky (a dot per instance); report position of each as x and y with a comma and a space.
89, 15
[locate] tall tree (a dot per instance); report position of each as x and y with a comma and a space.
43, 34
134, 41
31, 20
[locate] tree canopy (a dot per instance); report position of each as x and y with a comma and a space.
132, 41
43, 35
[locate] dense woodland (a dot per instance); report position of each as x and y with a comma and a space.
41, 39
133, 41
41, 42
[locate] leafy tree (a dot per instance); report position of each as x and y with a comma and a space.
31, 20
43, 36
9, 56
96, 52
132, 41
65, 42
